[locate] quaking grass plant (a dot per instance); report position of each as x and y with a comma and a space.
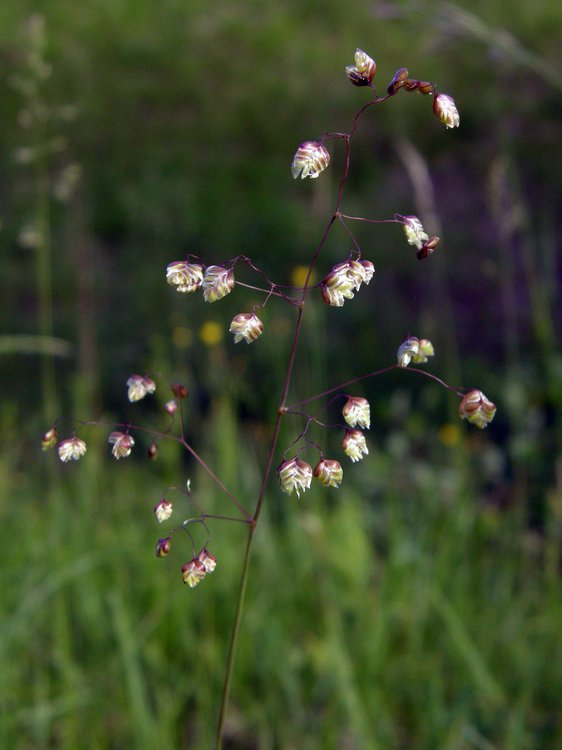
339, 284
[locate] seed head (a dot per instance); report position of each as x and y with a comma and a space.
171, 407
422, 87
71, 449
246, 326
425, 350
356, 411
122, 444
336, 288
407, 350
363, 72
49, 439
477, 409
344, 279
193, 572
310, 160
163, 510
217, 283
414, 231
163, 546
369, 270
294, 475
427, 247
179, 390
329, 473
186, 277
445, 109
139, 386
357, 273
354, 445
414, 350
400, 79
208, 561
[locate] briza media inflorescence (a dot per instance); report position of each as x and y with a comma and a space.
339, 284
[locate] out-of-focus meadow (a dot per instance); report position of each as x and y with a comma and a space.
419, 606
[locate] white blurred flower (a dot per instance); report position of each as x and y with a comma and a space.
29, 237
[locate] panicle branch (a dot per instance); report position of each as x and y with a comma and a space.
340, 284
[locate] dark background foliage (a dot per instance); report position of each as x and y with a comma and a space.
184, 122
182, 119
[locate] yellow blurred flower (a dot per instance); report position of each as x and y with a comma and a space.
211, 333
449, 435
298, 276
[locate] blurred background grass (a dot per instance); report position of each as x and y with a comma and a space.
418, 607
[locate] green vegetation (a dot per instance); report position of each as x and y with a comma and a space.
419, 607
406, 614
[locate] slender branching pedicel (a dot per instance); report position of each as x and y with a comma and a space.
340, 284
